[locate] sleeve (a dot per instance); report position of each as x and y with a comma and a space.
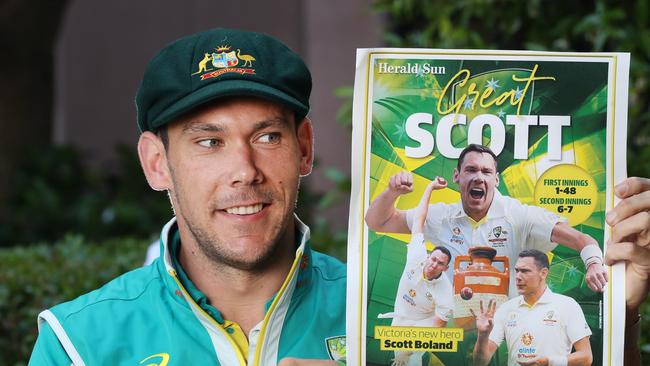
497, 335
48, 351
416, 251
540, 223
435, 214
445, 303
576, 324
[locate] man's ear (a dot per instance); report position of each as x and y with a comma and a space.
497, 176
456, 173
305, 136
153, 159
544, 273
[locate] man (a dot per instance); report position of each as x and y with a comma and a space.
485, 218
424, 296
539, 327
236, 283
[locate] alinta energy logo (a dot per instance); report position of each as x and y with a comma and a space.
223, 60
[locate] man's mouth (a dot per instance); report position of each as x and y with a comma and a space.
477, 193
245, 210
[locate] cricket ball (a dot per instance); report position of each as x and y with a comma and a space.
466, 293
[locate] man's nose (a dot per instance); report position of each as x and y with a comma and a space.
479, 177
243, 163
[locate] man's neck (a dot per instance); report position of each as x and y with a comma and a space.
239, 295
531, 299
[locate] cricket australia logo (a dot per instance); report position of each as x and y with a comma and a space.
336, 348
224, 59
550, 318
497, 237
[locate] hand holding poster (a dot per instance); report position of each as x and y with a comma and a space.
480, 184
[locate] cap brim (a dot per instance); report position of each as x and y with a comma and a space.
222, 89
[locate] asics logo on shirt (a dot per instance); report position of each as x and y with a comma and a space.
163, 359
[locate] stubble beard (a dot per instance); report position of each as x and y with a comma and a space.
216, 250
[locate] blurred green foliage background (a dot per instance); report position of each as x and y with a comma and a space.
586, 26
44, 258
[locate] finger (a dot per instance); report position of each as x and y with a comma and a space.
596, 277
627, 252
633, 225
481, 303
472, 311
494, 306
593, 284
602, 276
399, 178
409, 178
632, 186
628, 207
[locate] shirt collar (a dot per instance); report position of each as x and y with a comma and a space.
170, 244
496, 208
544, 299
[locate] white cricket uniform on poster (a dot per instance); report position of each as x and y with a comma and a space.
548, 328
509, 227
419, 300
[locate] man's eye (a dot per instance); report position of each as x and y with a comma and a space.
209, 142
270, 138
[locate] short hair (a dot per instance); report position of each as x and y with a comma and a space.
164, 136
475, 148
541, 259
445, 251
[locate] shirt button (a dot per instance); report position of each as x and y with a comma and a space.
230, 330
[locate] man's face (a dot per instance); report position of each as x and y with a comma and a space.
477, 179
235, 167
437, 263
529, 277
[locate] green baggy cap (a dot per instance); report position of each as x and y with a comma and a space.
220, 63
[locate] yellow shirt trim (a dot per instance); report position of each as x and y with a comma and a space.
237, 335
475, 224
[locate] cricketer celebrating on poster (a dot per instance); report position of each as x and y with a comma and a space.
425, 295
484, 217
539, 326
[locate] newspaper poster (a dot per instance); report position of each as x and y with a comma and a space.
480, 183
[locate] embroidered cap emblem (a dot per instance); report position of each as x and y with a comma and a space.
224, 59
527, 339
